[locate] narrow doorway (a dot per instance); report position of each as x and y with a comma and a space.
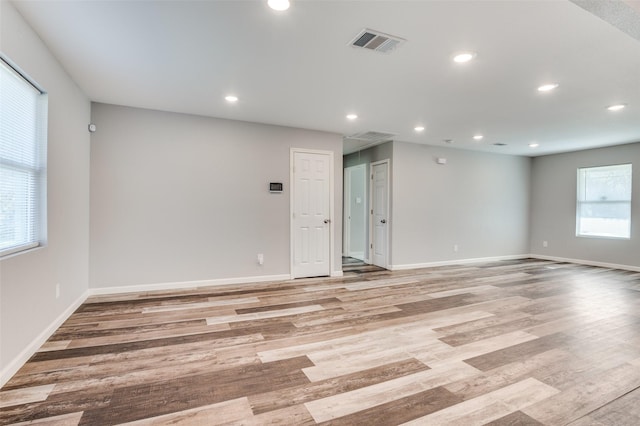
355, 213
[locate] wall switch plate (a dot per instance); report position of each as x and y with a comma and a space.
260, 259
545, 244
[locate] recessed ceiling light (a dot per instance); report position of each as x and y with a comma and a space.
231, 98
617, 107
352, 116
463, 57
534, 145
418, 128
478, 137
547, 87
278, 4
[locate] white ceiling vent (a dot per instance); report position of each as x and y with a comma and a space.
372, 137
375, 40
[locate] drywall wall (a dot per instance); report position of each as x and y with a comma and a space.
553, 207
179, 198
476, 201
29, 308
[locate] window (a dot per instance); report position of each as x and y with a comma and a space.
604, 202
23, 132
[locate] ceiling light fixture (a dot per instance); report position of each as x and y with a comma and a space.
419, 128
534, 145
478, 137
463, 57
352, 116
278, 5
547, 87
617, 107
231, 98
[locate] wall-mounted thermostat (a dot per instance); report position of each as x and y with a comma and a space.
275, 187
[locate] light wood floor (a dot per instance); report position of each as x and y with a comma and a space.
524, 342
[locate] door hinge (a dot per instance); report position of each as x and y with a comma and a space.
371, 211
372, 245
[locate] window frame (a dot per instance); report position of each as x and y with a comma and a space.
581, 200
36, 217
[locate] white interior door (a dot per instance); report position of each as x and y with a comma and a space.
380, 213
311, 214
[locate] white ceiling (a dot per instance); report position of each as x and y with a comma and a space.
295, 68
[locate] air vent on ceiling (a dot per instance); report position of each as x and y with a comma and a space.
500, 144
375, 40
372, 136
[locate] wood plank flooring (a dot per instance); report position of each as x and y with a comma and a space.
524, 342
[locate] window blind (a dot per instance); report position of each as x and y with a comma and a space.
604, 201
23, 130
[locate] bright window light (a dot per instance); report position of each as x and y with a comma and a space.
603, 207
23, 136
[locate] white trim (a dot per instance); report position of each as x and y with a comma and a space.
332, 228
337, 274
456, 262
14, 365
186, 284
587, 262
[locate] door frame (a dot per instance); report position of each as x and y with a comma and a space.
371, 204
346, 224
292, 152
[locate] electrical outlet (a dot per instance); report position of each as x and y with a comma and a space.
260, 259
58, 291
455, 248
545, 244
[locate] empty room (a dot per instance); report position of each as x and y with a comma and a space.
300, 212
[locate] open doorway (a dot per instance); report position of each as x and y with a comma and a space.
355, 215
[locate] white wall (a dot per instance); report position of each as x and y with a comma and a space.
178, 198
29, 309
553, 213
477, 201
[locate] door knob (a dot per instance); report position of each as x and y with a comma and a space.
327, 221
383, 221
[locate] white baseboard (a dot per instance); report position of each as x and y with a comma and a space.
587, 262
456, 262
17, 363
186, 284
337, 274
